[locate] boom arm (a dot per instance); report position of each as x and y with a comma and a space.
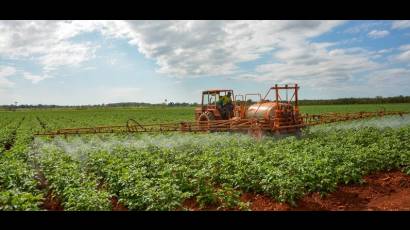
133, 126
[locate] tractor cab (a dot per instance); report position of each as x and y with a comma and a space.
211, 108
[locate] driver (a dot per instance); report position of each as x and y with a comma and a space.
226, 105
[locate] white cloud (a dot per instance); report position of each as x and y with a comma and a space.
6, 71
196, 48
403, 24
35, 78
404, 47
392, 77
180, 48
378, 33
66, 54
47, 42
202, 48
316, 66
404, 56
383, 51
363, 27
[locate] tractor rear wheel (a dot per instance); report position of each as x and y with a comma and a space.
256, 131
204, 121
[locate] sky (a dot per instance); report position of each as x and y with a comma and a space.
96, 62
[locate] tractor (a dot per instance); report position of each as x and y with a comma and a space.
210, 108
279, 114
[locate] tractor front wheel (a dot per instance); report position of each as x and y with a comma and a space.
204, 121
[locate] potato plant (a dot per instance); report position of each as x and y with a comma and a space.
160, 172
18, 186
160, 176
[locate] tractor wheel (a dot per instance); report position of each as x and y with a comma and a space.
256, 131
204, 121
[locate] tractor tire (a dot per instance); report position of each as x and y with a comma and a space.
256, 131
204, 121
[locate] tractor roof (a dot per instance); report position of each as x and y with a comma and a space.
216, 90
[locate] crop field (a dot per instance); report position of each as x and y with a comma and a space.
183, 171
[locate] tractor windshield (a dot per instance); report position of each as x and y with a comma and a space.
210, 98
214, 97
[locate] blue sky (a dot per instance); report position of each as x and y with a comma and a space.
94, 62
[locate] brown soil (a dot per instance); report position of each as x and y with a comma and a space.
192, 205
263, 203
381, 191
116, 206
52, 203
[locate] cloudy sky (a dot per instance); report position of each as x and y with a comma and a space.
93, 62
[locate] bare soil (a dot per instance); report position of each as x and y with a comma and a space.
116, 206
52, 203
381, 191
387, 191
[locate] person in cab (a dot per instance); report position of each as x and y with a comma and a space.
226, 106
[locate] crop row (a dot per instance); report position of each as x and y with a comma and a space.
18, 186
74, 189
215, 168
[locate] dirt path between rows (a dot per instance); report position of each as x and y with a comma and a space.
50, 202
381, 191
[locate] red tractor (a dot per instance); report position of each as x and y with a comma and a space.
279, 114
211, 109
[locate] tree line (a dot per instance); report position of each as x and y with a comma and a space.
365, 100
108, 105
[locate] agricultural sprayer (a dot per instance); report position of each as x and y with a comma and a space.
276, 113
